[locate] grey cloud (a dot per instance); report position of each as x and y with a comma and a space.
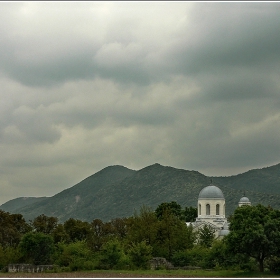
91, 84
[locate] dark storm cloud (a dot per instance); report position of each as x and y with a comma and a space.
85, 85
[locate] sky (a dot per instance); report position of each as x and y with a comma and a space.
86, 85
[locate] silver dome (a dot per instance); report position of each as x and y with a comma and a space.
211, 192
225, 230
244, 199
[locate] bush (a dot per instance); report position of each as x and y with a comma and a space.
112, 256
197, 256
37, 248
76, 256
140, 254
9, 255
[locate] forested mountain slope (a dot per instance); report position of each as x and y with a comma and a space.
117, 191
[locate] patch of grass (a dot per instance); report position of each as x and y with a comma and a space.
144, 273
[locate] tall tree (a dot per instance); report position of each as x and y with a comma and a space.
190, 214
44, 224
76, 229
37, 247
143, 226
255, 232
173, 235
206, 236
172, 207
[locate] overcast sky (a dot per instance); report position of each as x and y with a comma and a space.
86, 85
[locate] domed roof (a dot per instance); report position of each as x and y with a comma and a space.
244, 199
225, 230
211, 192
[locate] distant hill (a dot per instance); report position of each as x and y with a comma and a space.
117, 191
17, 203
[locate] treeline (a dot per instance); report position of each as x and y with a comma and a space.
129, 243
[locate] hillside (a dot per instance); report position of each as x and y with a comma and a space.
117, 191
20, 202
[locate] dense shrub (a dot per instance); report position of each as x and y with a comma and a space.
37, 248
75, 255
112, 256
139, 255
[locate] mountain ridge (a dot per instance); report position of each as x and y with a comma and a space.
117, 191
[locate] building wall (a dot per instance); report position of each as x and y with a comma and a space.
202, 211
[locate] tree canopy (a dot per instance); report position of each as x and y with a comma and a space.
255, 232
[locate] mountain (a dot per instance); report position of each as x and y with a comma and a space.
117, 191
17, 203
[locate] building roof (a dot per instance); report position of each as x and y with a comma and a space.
225, 230
211, 192
244, 199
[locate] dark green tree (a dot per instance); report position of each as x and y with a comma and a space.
77, 230
59, 234
172, 207
12, 227
190, 214
140, 254
143, 226
172, 235
255, 232
37, 248
112, 254
205, 236
44, 224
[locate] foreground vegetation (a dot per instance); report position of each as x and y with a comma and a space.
144, 274
128, 244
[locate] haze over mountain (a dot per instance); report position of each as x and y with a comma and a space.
117, 191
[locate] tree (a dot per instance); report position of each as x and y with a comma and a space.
140, 254
206, 236
44, 224
12, 227
190, 214
37, 247
173, 235
112, 254
143, 226
173, 207
255, 232
77, 229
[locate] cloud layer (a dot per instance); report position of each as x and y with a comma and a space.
85, 85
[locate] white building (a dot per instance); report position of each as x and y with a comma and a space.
211, 208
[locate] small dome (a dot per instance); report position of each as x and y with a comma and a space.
211, 192
225, 230
244, 199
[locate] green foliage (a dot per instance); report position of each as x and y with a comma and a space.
170, 207
205, 236
197, 257
44, 224
140, 254
76, 256
60, 235
190, 214
273, 264
37, 248
12, 227
112, 256
255, 232
172, 235
9, 255
143, 226
77, 230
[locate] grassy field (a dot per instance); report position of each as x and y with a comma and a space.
143, 274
